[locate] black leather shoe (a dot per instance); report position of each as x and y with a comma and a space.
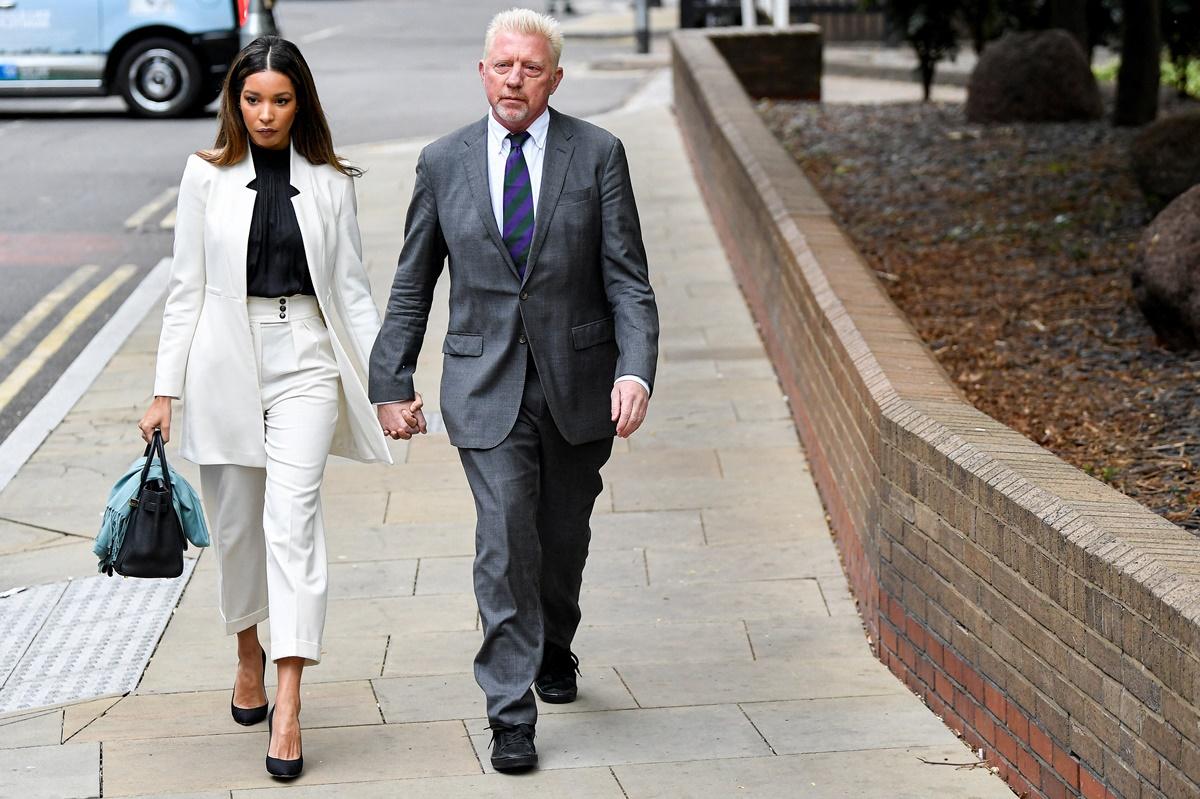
512, 747
555, 682
249, 716
277, 767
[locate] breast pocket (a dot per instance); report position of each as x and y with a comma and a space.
468, 344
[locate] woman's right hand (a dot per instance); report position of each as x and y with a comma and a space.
158, 417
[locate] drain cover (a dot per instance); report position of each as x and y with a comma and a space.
77, 640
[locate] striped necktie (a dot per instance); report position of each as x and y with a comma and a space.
518, 203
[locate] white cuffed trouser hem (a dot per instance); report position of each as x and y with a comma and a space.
293, 648
245, 622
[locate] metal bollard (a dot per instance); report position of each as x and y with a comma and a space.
642, 26
260, 21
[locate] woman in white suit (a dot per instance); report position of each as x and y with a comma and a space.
268, 324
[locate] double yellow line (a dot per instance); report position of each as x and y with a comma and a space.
62, 332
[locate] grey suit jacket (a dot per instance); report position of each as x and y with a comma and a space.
584, 312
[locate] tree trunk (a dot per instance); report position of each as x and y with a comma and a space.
1140, 73
928, 66
1071, 16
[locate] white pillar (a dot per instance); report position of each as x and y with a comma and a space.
782, 14
748, 13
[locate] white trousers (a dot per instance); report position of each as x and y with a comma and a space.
266, 523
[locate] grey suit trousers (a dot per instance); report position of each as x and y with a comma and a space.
534, 495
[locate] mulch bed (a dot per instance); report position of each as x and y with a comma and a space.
1009, 248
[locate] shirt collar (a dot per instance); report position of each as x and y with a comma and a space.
537, 130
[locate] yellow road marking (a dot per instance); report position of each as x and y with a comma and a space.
45, 306
142, 215
56, 338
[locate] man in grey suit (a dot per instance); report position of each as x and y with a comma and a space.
551, 349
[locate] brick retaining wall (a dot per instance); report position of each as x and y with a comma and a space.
1050, 619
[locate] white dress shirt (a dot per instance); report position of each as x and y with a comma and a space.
534, 151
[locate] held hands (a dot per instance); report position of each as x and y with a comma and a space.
629, 403
158, 417
402, 420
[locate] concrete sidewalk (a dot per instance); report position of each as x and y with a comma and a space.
721, 651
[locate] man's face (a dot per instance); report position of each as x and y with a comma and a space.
519, 75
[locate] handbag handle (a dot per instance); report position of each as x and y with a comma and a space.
154, 448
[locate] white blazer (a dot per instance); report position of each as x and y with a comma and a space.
205, 353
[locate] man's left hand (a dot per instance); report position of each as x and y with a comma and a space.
629, 403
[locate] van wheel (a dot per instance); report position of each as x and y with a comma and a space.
159, 78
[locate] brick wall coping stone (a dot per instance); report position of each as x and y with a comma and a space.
1049, 618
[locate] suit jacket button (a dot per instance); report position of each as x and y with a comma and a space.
522, 338
524, 295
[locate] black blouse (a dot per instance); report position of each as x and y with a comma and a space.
275, 262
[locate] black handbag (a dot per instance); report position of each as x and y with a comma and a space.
154, 539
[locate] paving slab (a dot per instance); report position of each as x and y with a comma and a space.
16, 537
653, 464
457, 696
646, 529
755, 462
347, 580
348, 617
339, 704
877, 774
662, 643
615, 567
347, 477
848, 724
70, 771
576, 783
59, 561
411, 654
742, 434
692, 603
671, 493
181, 666
809, 638
574, 740
436, 505
32, 728
762, 523
333, 755
219, 794
405, 541
764, 560
836, 592
352, 511
665, 685
77, 717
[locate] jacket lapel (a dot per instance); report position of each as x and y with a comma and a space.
309, 219
241, 212
555, 162
476, 164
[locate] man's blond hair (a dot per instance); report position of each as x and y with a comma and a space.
529, 22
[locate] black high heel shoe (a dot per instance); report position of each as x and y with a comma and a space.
277, 767
249, 716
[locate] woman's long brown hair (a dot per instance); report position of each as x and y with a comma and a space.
310, 131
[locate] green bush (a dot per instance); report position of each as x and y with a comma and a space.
1186, 81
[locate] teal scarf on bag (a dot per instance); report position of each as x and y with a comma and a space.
117, 510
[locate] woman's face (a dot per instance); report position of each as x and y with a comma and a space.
268, 104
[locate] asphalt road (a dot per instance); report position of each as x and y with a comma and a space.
74, 173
